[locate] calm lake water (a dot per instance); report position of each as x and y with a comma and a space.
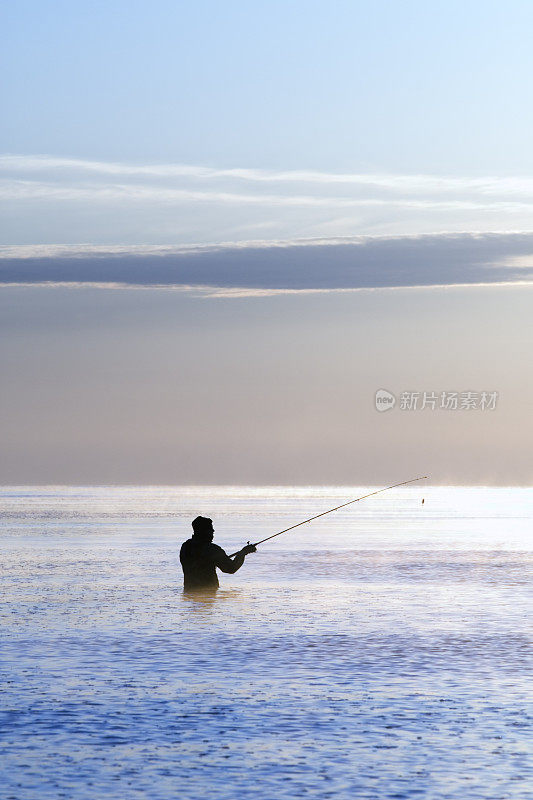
380, 652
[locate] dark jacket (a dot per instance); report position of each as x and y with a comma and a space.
200, 560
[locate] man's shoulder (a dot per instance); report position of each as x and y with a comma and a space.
215, 549
209, 548
187, 547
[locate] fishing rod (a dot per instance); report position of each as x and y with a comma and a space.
386, 489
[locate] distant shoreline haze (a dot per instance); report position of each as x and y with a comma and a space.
132, 387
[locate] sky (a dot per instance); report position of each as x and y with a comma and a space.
224, 227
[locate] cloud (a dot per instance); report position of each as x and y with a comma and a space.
417, 183
54, 199
41, 190
239, 269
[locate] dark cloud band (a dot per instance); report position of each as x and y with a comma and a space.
362, 262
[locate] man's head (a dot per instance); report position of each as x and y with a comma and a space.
203, 529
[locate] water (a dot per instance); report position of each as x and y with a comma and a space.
380, 652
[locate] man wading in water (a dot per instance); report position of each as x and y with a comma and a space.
200, 557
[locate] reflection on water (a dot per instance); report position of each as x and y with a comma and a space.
381, 652
206, 601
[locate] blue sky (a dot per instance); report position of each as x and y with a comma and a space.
282, 168
439, 87
181, 122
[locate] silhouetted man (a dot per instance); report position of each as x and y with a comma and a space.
200, 557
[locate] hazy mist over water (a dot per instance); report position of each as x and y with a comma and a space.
161, 387
380, 652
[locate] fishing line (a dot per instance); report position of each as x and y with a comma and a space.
343, 505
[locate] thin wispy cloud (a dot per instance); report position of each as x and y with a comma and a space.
37, 190
52, 199
239, 269
489, 185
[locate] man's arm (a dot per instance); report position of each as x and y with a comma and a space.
231, 565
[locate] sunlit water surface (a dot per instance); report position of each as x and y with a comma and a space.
380, 652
